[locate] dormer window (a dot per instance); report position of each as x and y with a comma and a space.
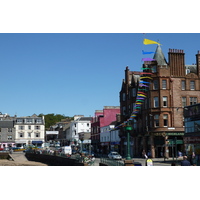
19, 121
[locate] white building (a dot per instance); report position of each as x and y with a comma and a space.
79, 125
115, 140
109, 138
29, 130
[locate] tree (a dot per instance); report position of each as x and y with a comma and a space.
51, 119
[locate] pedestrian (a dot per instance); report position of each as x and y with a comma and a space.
144, 154
185, 162
149, 162
149, 154
193, 159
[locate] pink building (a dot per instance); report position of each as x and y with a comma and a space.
102, 118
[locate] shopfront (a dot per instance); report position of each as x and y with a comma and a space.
105, 147
192, 132
21, 143
168, 143
115, 146
193, 148
37, 143
6, 144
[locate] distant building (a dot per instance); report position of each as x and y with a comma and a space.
7, 131
114, 136
29, 131
21, 131
102, 118
57, 133
109, 138
80, 124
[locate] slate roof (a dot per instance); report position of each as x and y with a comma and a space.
7, 124
159, 56
85, 119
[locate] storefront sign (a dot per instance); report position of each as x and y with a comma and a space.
176, 134
168, 133
115, 143
51, 132
159, 134
192, 140
104, 143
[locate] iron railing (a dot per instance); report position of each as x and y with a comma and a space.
111, 162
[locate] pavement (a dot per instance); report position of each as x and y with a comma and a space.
156, 161
19, 159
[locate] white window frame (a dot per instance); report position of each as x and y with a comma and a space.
183, 84
184, 101
165, 119
164, 84
165, 102
192, 85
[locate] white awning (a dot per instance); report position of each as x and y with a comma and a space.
20, 141
52, 132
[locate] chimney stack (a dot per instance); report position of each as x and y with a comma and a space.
198, 63
177, 62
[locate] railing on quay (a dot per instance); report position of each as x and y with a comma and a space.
110, 162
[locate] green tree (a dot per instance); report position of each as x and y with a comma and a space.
51, 119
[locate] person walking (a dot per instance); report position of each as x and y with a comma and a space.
185, 162
144, 154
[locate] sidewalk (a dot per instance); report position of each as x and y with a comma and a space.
156, 161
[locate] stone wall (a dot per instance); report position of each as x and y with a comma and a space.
52, 160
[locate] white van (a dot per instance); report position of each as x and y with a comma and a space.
67, 150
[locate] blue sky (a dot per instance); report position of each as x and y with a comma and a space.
74, 73
79, 73
69, 57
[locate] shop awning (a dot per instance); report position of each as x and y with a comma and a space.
37, 142
20, 141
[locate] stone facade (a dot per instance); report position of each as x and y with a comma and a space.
160, 119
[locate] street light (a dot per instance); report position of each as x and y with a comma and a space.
128, 128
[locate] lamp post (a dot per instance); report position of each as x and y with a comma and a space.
128, 128
175, 140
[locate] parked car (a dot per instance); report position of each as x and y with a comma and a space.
114, 155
